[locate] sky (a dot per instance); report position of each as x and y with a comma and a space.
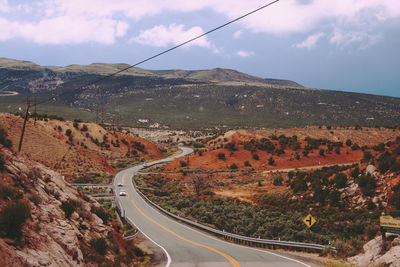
346, 45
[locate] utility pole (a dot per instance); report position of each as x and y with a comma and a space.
23, 127
35, 100
97, 114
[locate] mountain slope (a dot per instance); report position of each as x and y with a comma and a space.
188, 99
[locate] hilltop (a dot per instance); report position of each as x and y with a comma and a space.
182, 99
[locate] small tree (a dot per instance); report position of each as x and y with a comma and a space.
322, 152
255, 157
278, 180
247, 163
233, 166
340, 180
221, 156
348, 142
199, 184
68, 132
100, 245
271, 161
84, 128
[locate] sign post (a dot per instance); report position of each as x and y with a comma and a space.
388, 224
309, 220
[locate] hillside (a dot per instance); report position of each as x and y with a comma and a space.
187, 99
44, 222
84, 152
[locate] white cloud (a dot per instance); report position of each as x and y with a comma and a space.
4, 7
162, 36
237, 34
343, 39
311, 41
244, 54
110, 19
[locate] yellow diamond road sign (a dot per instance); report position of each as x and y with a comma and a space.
309, 220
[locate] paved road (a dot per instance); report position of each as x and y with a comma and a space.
185, 246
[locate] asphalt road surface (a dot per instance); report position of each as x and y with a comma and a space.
183, 245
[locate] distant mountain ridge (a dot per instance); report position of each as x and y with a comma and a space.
214, 75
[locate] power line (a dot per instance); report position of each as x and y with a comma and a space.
164, 52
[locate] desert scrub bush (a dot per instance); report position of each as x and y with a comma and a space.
233, 166
183, 163
2, 163
221, 156
101, 213
7, 192
70, 206
13, 216
100, 245
255, 157
348, 248
3, 138
278, 180
68, 132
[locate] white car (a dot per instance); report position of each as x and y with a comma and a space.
122, 192
119, 184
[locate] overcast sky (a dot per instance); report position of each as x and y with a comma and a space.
348, 45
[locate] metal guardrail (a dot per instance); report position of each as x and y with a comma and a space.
92, 185
227, 235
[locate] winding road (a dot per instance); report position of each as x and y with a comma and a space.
183, 245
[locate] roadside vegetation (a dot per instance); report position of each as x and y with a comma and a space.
345, 219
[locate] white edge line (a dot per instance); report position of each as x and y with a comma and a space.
165, 251
209, 236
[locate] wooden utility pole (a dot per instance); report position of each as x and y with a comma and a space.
35, 114
23, 127
97, 114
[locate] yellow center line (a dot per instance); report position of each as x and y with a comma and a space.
229, 258
123, 178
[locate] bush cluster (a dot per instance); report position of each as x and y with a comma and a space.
13, 216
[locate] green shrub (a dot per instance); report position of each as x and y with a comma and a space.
395, 200
183, 163
340, 180
271, 161
101, 213
255, 157
221, 156
3, 138
69, 207
13, 216
247, 163
367, 184
278, 180
138, 252
84, 128
370, 231
68, 132
2, 163
7, 192
233, 166
230, 146
100, 245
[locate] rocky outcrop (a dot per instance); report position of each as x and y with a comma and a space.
373, 254
50, 237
